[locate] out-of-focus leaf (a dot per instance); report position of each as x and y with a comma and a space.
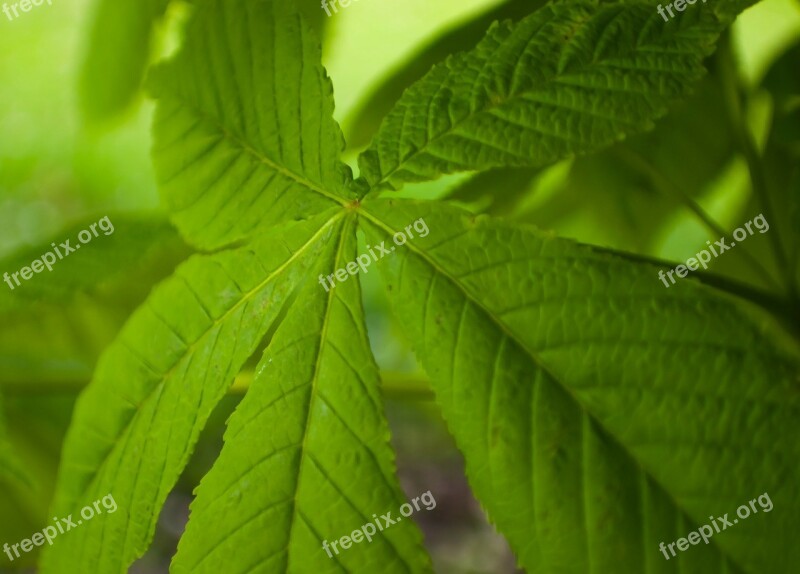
11, 469
496, 191
55, 325
623, 196
780, 161
37, 422
119, 49
133, 242
782, 152
56, 345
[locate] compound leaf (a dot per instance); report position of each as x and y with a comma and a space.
683, 400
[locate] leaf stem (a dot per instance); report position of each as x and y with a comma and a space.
402, 386
395, 386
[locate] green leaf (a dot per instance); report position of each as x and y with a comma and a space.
571, 78
36, 424
16, 483
625, 195
306, 456
782, 153
244, 130
120, 45
375, 105
599, 412
568, 376
54, 346
504, 189
129, 244
135, 425
55, 325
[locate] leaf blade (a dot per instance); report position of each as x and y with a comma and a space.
326, 464
366, 119
524, 300
571, 78
244, 129
175, 373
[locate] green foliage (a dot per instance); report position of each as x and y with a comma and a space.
64, 318
571, 78
189, 339
228, 169
36, 425
120, 46
129, 247
311, 416
782, 153
496, 313
377, 104
598, 412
